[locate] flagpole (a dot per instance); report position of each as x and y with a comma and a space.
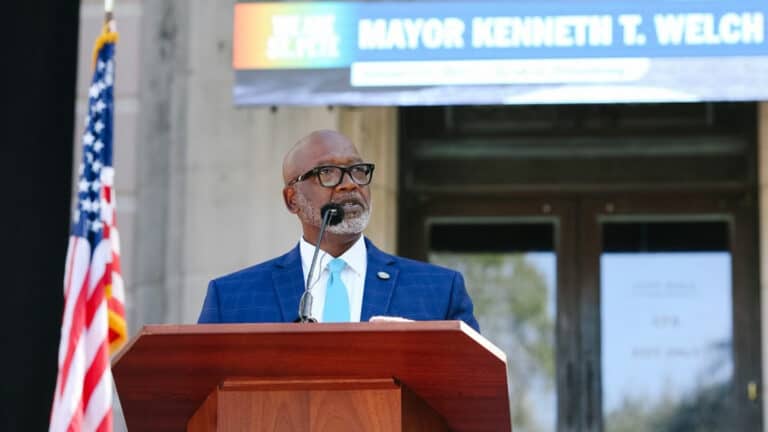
118, 418
109, 7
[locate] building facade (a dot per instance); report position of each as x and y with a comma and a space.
576, 188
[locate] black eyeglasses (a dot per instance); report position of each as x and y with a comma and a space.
331, 176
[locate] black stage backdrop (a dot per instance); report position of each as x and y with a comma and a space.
39, 77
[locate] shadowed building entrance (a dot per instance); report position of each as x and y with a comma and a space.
611, 251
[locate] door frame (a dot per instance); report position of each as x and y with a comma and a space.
578, 245
739, 211
414, 242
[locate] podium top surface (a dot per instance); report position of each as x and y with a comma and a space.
165, 373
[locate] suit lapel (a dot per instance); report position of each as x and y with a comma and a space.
377, 294
288, 282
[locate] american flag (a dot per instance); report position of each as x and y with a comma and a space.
93, 324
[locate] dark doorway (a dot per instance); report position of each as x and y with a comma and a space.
593, 240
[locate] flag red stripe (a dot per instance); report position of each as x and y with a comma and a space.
115, 262
106, 422
67, 284
76, 424
76, 329
95, 301
116, 306
95, 371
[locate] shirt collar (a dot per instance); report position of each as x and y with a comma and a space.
356, 256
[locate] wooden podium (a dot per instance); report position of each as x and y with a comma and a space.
410, 376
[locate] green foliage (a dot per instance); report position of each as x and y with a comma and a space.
701, 411
511, 301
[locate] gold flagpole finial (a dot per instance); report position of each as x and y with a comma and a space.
109, 31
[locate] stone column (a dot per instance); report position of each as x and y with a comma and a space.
210, 173
159, 144
375, 131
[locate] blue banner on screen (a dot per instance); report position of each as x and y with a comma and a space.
426, 53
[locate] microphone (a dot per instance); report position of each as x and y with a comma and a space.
332, 214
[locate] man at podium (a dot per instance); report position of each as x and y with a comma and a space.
327, 184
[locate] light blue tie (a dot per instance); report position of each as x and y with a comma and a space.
336, 300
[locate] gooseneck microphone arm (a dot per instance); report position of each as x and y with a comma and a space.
333, 214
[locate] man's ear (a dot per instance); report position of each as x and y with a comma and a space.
289, 194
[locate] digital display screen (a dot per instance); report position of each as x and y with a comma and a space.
444, 53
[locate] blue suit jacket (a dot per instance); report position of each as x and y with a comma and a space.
270, 291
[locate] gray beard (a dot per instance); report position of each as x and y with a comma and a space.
350, 225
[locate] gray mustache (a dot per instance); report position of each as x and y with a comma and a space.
350, 200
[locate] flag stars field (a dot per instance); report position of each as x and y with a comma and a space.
94, 91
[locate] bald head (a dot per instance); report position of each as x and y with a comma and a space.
317, 148
305, 199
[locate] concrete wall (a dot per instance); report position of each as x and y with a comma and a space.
198, 180
374, 130
219, 206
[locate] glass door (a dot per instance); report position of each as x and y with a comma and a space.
670, 315
634, 314
510, 270
666, 317
641, 284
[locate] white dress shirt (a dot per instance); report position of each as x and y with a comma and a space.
353, 276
